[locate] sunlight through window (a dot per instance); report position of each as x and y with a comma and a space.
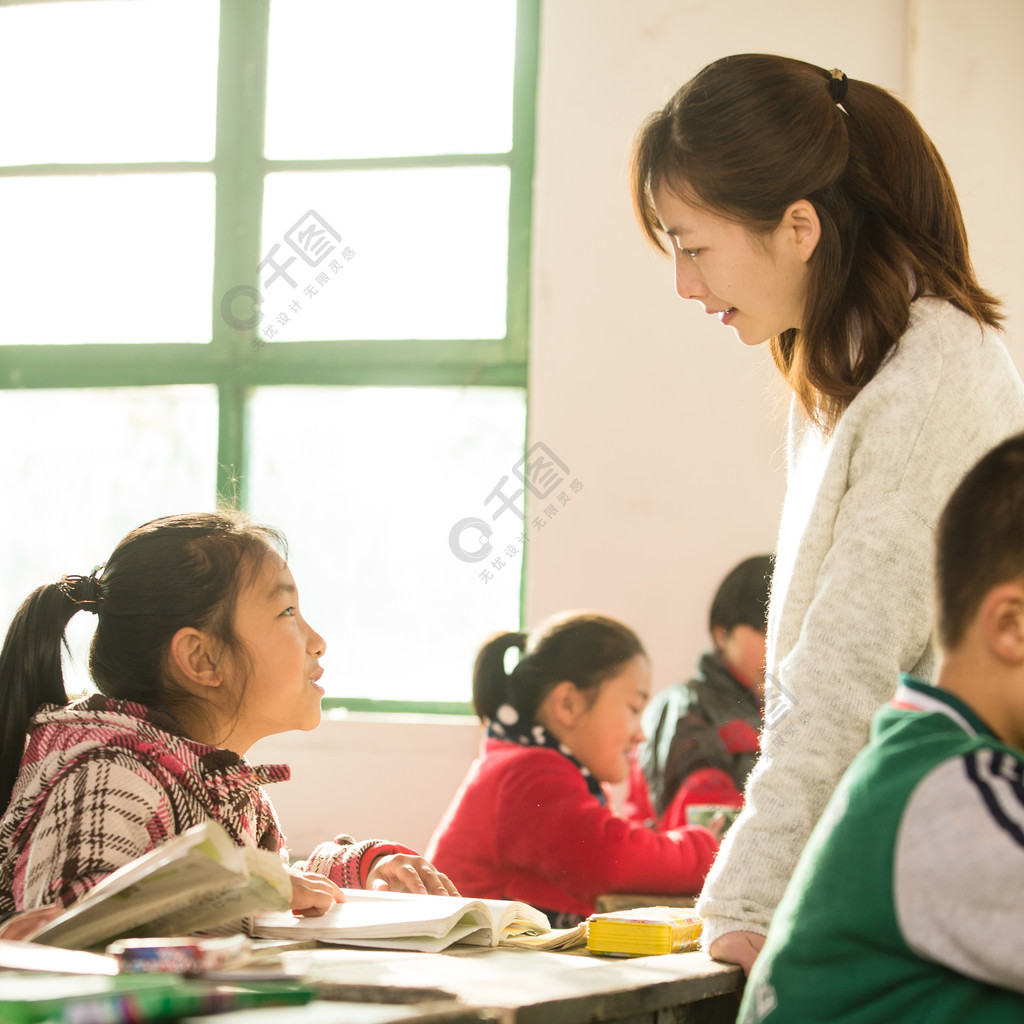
391, 77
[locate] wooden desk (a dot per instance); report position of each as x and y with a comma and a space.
322, 1012
507, 986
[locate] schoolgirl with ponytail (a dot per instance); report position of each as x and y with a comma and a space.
809, 211
200, 650
531, 820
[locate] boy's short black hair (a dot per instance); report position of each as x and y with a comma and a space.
980, 540
742, 597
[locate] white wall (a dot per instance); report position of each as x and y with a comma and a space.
383, 777
674, 428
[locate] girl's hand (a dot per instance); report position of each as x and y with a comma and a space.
313, 895
22, 925
737, 948
401, 872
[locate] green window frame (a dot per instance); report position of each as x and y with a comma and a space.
236, 361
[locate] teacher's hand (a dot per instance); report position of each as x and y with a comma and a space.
737, 948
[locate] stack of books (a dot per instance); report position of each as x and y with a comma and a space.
645, 931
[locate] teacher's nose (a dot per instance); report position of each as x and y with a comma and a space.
689, 283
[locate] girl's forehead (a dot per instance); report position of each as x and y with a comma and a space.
633, 677
268, 576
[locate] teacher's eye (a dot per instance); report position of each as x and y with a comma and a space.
692, 253
290, 610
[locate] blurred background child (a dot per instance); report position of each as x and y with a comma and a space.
531, 820
702, 735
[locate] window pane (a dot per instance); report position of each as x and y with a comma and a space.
397, 254
109, 258
102, 82
392, 77
367, 484
88, 466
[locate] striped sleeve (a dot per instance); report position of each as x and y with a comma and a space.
958, 870
346, 862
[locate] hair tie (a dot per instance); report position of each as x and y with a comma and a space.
838, 84
84, 591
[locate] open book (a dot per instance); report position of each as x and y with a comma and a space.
196, 881
401, 920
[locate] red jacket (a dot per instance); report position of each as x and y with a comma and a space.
524, 826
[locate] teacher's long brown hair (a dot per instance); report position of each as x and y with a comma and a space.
752, 133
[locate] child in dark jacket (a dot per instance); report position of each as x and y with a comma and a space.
702, 735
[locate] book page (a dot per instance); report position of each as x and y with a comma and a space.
515, 918
468, 934
183, 885
553, 941
398, 920
507, 916
377, 919
220, 905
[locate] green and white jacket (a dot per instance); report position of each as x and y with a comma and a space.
908, 901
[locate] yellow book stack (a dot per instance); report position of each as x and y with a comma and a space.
645, 931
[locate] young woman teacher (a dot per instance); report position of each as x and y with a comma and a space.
810, 211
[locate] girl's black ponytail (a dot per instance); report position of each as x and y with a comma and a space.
30, 672
490, 680
582, 647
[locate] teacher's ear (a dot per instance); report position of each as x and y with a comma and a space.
800, 228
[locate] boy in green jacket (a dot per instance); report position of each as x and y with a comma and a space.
908, 899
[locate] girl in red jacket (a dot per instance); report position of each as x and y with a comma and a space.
531, 820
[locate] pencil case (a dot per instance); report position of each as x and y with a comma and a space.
643, 932
179, 955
